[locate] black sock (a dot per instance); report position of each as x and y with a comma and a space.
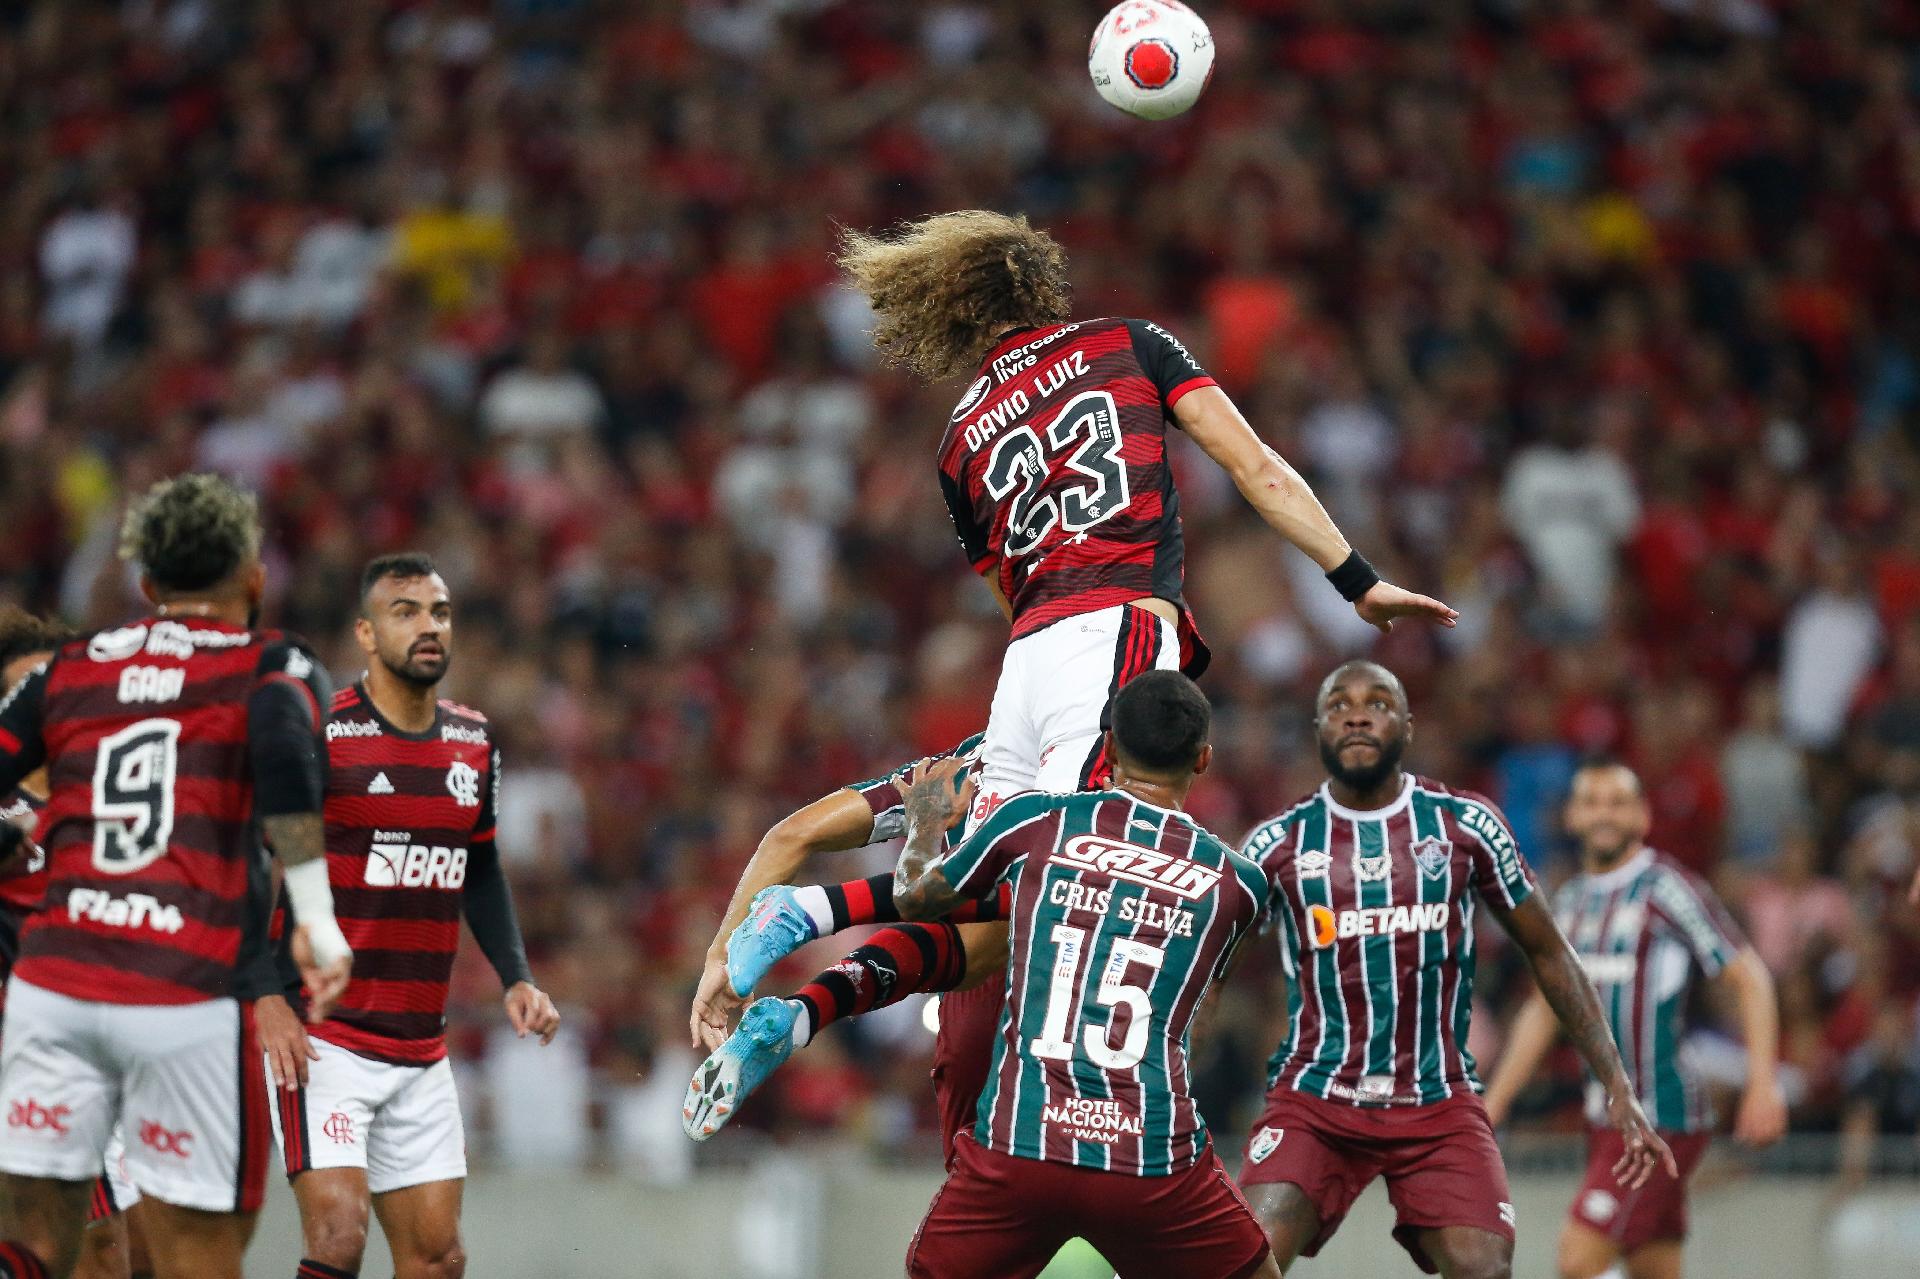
311, 1269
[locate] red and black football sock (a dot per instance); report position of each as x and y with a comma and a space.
17, 1261
834, 907
311, 1269
894, 963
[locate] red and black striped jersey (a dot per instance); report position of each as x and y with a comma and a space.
405, 814
156, 878
1054, 468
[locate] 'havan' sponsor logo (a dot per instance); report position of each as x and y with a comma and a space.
1177, 875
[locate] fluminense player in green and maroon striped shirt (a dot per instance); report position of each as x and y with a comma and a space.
1375, 880
1124, 912
1646, 930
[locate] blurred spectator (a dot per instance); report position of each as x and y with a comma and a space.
1572, 504
1765, 778
1595, 320
543, 397
1827, 650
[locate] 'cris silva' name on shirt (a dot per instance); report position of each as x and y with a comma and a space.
1132, 864
1141, 910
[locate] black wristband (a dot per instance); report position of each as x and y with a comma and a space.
11, 839
1353, 577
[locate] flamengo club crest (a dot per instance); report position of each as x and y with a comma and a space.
1265, 1142
1433, 856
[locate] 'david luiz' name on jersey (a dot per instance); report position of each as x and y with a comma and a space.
1054, 468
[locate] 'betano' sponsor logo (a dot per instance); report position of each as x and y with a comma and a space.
1188, 879
1327, 926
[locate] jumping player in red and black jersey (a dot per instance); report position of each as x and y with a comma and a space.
1054, 467
113, 1246
171, 745
366, 1109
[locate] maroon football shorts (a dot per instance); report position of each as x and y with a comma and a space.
1632, 1219
1003, 1216
1442, 1165
962, 1055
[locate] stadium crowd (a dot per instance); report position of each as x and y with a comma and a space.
1594, 319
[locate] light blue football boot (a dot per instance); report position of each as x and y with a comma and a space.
753, 1051
774, 928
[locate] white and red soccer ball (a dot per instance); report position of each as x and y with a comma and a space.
1151, 58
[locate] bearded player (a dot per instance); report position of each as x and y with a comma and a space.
1646, 930
365, 1105
1054, 468
1375, 879
112, 1247
171, 746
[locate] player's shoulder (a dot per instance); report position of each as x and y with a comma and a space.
286, 653
1674, 881
1275, 834
1467, 810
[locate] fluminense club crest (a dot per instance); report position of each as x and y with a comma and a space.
1433, 856
1264, 1144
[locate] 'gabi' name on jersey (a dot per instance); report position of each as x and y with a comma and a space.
1122, 915
1376, 935
404, 810
1054, 468
155, 879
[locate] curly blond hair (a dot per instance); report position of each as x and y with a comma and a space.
191, 532
945, 287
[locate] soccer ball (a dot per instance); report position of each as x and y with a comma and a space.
1151, 58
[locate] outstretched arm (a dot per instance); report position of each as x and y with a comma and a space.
837, 821
1528, 1042
1763, 1106
1564, 985
1287, 503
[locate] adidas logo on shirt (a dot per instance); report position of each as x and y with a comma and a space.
379, 785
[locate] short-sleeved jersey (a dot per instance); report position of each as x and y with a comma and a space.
1123, 914
1376, 925
1644, 931
404, 813
882, 793
1054, 468
156, 878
